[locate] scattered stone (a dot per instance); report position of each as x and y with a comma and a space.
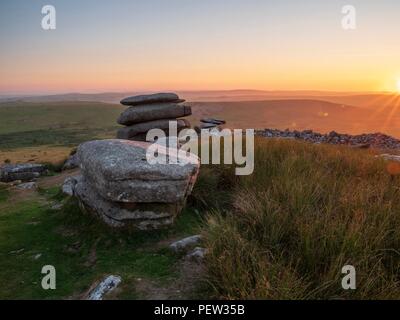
151, 98
214, 121
57, 206
27, 186
15, 183
197, 254
373, 140
69, 185
208, 125
38, 256
17, 251
23, 172
131, 132
185, 244
152, 112
390, 157
71, 163
104, 287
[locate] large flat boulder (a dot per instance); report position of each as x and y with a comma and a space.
142, 128
152, 112
119, 171
151, 98
23, 172
141, 216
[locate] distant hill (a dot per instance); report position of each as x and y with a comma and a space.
300, 114
356, 99
317, 115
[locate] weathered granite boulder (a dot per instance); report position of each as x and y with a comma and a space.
142, 128
142, 216
151, 98
152, 112
23, 172
119, 171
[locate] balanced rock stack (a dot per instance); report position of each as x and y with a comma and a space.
120, 186
153, 111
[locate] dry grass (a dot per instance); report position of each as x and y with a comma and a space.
286, 231
42, 154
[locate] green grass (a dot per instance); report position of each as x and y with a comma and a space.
286, 231
67, 239
4, 193
27, 124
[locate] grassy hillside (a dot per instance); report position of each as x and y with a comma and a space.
46, 132
286, 231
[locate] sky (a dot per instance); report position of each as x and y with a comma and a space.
129, 45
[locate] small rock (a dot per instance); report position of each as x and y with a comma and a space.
185, 244
197, 254
17, 251
24, 172
69, 185
390, 157
214, 121
27, 186
57, 206
104, 287
36, 257
71, 163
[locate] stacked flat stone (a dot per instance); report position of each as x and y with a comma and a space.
119, 185
153, 111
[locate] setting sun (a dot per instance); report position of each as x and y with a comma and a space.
398, 86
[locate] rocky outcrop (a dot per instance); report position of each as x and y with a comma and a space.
23, 172
120, 186
154, 111
373, 140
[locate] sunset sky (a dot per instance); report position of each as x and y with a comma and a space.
126, 45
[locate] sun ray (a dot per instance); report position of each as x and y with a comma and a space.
392, 113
